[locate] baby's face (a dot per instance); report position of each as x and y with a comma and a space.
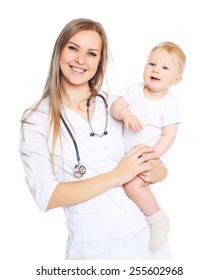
161, 71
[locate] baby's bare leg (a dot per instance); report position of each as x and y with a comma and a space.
137, 191
142, 196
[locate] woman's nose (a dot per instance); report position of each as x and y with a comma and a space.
80, 58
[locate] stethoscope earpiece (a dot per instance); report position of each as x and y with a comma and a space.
99, 135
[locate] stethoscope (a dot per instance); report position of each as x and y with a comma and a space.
79, 169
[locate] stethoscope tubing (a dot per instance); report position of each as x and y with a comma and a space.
79, 169
72, 137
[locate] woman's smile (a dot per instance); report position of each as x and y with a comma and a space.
77, 70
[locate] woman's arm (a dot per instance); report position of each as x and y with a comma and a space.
133, 163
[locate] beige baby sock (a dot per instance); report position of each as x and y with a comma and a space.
160, 227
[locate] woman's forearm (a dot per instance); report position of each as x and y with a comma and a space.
69, 193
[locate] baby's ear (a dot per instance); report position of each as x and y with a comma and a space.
177, 80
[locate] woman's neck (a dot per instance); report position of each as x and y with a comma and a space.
72, 95
75, 98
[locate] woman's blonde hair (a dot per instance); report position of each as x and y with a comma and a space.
52, 87
174, 50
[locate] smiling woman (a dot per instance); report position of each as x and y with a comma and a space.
102, 222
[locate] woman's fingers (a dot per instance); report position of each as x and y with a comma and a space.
138, 151
148, 156
144, 177
136, 161
155, 173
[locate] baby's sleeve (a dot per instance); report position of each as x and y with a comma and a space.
171, 114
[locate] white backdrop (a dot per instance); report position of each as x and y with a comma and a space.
29, 29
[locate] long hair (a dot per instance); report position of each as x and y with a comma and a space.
52, 87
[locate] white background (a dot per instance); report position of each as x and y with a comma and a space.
28, 30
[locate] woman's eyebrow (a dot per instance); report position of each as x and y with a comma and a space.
79, 46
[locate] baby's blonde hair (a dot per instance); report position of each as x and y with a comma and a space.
174, 50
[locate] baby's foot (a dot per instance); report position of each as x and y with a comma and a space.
160, 227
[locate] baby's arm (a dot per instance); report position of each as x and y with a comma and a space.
120, 111
166, 140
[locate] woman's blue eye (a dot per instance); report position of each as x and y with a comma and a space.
72, 48
92, 54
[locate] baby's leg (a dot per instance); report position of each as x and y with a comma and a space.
156, 217
142, 196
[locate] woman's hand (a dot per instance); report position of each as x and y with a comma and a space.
139, 160
156, 173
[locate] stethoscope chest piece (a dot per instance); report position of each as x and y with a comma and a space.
79, 170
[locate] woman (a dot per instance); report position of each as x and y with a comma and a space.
73, 153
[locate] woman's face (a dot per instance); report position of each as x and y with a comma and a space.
80, 58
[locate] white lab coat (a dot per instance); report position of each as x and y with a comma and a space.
109, 226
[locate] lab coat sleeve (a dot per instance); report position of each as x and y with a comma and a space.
37, 164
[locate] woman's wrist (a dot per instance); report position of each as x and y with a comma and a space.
114, 178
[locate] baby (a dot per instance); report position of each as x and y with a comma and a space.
151, 116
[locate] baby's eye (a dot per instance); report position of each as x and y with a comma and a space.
165, 68
152, 64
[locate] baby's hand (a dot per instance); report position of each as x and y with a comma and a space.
131, 120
